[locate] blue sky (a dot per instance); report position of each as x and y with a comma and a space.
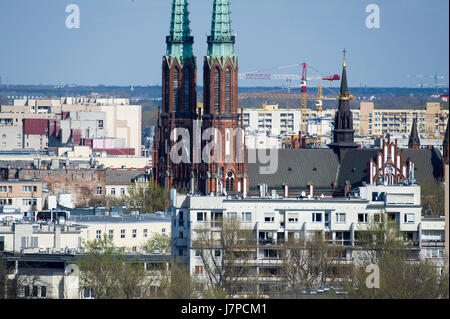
121, 42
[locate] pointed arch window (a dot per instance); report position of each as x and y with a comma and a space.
166, 89
217, 91
187, 89
206, 93
176, 86
229, 182
228, 91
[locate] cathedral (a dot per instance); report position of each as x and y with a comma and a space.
209, 142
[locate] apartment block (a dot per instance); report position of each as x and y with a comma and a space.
431, 121
10, 137
272, 119
22, 195
275, 220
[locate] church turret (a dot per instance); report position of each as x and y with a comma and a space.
343, 132
179, 98
227, 174
414, 140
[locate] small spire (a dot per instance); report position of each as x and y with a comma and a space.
414, 140
344, 64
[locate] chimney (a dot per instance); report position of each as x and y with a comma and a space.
311, 189
347, 188
286, 190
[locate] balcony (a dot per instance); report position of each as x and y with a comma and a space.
433, 244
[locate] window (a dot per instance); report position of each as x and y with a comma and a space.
99, 190
2, 189
122, 233
98, 234
175, 89
378, 218
229, 181
269, 218
34, 188
246, 217
113, 191
180, 252
9, 189
187, 89
166, 89
27, 291
217, 253
35, 291
43, 292
232, 216
163, 231
87, 292
228, 91
197, 253
362, 218
145, 233
292, 218
122, 191
134, 233
216, 91
409, 218
26, 189
340, 217
199, 270
201, 217
111, 234
317, 217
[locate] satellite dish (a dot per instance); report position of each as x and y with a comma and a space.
303, 194
309, 196
322, 196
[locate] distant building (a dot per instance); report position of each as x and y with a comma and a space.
22, 195
70, 121
118, 181
272, 120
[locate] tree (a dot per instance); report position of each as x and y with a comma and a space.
309, 262
147, 197
158, 242
432, 199
225, 248
103, 270
178, 284
401, 272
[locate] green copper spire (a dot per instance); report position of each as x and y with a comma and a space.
179, 42
221, 41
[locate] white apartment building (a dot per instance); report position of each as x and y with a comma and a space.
128, 232
273, 120
341, 221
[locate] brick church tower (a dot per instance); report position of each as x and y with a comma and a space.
179, 99
226, 173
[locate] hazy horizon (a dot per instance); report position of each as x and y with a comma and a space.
121, 42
